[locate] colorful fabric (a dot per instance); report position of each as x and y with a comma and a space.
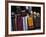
19, 23
30, 21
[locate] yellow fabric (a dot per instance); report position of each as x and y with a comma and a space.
30, 21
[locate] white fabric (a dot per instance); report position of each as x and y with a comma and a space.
25, 25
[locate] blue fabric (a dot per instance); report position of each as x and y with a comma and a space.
12, 22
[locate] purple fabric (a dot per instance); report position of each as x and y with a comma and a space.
19, 23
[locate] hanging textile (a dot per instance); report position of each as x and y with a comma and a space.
30, 22
19, 23
25, 25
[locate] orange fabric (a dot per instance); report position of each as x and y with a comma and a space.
30, 21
